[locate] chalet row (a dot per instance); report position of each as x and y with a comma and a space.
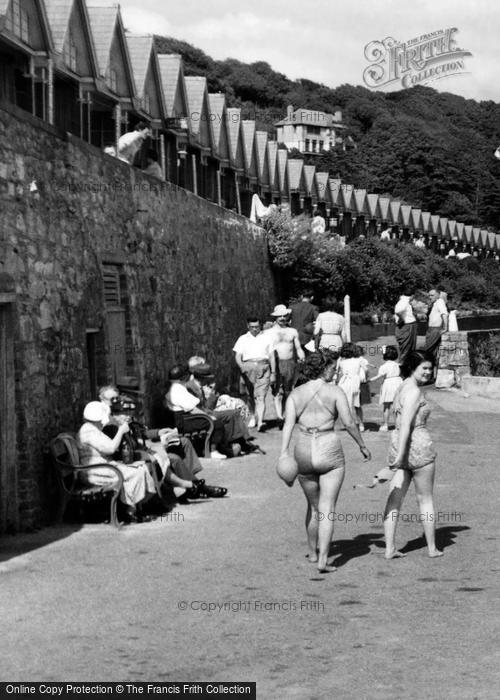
72, 64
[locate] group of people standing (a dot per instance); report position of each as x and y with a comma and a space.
406, 322
323, 398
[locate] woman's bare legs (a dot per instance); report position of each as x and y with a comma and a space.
321, 502
329, 488
311, 491
398, 489
424, 484
386, 413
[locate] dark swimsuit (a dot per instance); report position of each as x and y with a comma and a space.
317, 450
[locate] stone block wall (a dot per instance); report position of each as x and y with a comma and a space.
453, 360
192, 272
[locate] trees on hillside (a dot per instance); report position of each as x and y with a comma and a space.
434, 150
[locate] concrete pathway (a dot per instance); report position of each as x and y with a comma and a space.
221, 589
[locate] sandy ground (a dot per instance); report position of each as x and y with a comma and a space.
220, 590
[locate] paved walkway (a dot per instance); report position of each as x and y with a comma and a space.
221, 590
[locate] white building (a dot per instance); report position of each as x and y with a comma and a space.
310, 131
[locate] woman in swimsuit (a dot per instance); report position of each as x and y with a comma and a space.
411, 453
314, 407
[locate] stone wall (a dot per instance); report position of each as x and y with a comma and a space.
190, 272
453, 361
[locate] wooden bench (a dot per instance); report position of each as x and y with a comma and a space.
65, 459
198, 427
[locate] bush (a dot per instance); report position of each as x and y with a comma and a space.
484, 352
373, 272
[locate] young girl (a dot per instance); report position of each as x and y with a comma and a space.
351, 373
390, 371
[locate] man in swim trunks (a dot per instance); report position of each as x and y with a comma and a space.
285, 344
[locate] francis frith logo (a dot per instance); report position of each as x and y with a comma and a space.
418, 61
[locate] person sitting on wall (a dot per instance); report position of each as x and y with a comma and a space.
153, 167
172, 455
229, 429
130, 143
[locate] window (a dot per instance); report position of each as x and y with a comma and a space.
111, 278
321, 145
70, 53
113, 80
307, 145
17, 21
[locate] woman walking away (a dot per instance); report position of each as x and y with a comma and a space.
412, 454
329, 328
351, 374
314, 407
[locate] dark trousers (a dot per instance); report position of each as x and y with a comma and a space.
406, 337
433, 341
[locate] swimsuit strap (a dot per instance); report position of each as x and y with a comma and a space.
322, 403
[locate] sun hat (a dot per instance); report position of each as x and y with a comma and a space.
94, 411
123, 404
204, 371
281, 310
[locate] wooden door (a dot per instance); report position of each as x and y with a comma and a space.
9, 511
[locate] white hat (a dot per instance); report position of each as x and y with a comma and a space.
281, 310
94, 411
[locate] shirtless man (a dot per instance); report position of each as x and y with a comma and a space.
284, 342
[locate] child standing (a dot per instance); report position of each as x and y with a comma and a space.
350, 369
390, 371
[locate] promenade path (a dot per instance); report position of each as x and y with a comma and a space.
88, 602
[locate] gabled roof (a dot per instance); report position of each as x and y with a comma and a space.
261, 139
321, 185
199, 112
58, 14
105, 22
102, 21
282, 162
452, 229
360, 201
248, 131
139, 48
383, 207
405, 215
435, 224
217, 105
233, 130
173, 85
416, 215
426, 221
272, 155
295, 171
371, 205
346, 196
394, 208
335, 187
195, 90
309, 171
46, 34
